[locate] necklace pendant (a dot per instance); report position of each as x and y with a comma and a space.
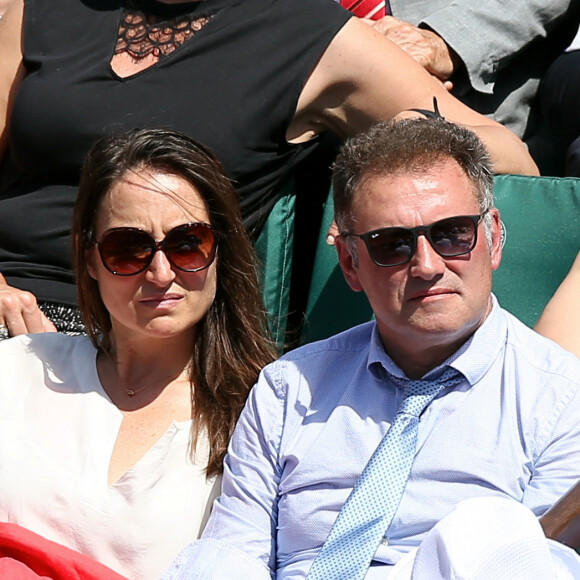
131, 393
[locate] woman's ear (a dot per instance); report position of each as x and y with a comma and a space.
90, 257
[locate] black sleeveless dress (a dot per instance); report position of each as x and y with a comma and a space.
233, 85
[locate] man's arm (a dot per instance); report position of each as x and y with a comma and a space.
214, 560
487, 35
562, 521
555, 455
480, 38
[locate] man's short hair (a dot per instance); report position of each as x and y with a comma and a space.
409, 146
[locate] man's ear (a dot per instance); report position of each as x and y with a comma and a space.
496, 238
348, 264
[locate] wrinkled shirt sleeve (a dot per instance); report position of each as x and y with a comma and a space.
209, 559
557, 455
484, 36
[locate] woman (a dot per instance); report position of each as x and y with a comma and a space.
560, 320
112, 444
258, 81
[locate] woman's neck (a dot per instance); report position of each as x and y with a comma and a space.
136, 372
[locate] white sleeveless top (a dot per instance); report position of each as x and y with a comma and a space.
58, 428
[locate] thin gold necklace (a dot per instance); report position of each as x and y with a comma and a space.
129, 392
133, 392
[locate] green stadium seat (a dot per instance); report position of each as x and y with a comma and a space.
541, 216
274, 249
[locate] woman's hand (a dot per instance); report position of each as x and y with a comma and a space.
19, 311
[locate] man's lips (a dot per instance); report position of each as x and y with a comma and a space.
432, 293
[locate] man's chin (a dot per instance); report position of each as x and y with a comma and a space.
446, 321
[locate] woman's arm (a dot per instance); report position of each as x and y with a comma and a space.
18, 309
363, 78
560, 320
11, 68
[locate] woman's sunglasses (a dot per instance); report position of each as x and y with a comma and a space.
129, 251
449, 237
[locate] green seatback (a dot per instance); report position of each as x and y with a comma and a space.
541, 216
274, 249
332, 305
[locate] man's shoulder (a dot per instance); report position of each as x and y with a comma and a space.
530, 347
337, 354
320, 370
353, 340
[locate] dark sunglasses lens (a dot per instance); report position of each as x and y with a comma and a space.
391, 246
191, 247
454, 236
127, 251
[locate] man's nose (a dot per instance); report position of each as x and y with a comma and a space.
426, 262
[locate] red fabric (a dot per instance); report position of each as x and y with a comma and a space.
365, 8
25, 555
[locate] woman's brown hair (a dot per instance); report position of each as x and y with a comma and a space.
232, 342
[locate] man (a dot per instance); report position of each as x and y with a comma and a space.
494, 53
420, 236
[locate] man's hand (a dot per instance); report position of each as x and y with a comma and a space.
332, 234
426, 47
20, 313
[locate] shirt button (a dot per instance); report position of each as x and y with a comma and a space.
385, 542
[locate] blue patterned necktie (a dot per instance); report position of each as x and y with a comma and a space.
372, 504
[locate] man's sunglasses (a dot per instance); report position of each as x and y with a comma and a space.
129, 251
449, 237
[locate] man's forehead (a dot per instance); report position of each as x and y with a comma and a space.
442, 178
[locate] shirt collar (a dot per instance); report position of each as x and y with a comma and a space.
472, 359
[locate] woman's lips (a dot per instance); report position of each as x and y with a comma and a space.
165, 300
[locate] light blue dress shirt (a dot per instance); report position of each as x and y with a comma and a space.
511, 429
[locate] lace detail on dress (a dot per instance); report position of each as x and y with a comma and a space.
141, 34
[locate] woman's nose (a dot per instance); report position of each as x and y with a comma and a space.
160, 270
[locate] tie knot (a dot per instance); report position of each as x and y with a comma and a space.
418, 394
